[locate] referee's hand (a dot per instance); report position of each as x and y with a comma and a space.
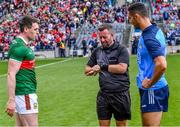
96, 68
90, 73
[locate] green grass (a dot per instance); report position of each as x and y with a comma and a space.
68, 98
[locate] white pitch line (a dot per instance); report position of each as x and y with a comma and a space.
45, 65
3, 75
52, 63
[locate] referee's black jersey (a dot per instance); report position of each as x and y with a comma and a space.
115, 54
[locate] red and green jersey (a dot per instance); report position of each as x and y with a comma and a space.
25, 77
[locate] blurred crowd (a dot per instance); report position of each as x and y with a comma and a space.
168, 13
59, 20
62, 21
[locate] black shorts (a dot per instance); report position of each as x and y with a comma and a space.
118, 104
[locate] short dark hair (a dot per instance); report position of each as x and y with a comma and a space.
139, 8
27, 21
106, 26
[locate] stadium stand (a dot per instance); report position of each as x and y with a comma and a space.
71, 21
60, 20
166, 15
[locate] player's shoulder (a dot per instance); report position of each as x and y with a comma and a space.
99, 48
122, 48
17, 42
150, 32
18, 46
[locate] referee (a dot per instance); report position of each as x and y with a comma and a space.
111, 61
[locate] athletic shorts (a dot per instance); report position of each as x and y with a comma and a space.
154, 100
26, 104
117, 104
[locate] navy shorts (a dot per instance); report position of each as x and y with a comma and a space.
117, 104
154, 100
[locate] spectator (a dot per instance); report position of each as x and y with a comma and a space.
84, 47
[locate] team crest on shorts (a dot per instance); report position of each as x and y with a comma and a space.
35, 105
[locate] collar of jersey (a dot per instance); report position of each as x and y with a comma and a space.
150, 27
23, 39
113, 46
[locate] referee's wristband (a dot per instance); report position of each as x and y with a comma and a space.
104, 67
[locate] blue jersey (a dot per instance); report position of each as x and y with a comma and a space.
151, 45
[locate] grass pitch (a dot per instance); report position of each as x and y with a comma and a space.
68, 98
